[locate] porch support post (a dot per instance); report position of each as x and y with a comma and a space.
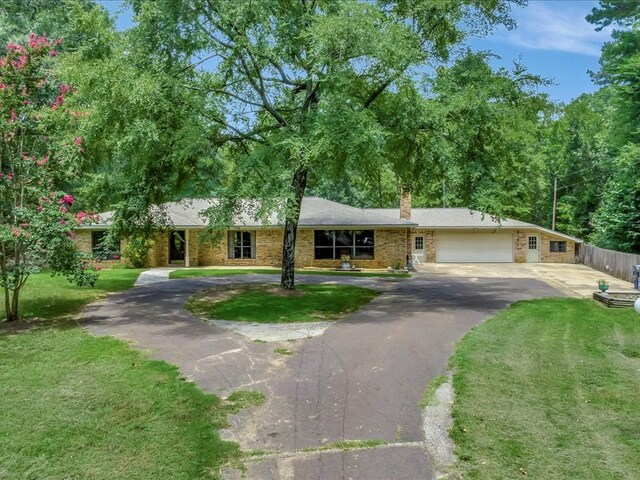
186, 247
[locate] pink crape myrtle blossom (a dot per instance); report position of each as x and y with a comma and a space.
36, 220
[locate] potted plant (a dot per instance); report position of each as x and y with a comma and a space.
346, 264
603, 284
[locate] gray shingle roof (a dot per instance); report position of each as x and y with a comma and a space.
453, 218
318, 212
315, 212
461, 218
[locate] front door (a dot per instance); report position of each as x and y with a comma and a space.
176, 246
418, 248
533, 249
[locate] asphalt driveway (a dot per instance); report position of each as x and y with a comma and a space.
363, 379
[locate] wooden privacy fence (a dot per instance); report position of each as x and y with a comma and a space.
599, 258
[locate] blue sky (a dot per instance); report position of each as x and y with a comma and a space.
552, 39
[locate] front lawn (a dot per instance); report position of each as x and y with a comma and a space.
549, 389
270, 304
48, 297
79, 407
217, 272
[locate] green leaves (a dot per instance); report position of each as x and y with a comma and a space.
617, 220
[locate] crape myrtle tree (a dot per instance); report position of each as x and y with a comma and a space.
55, 17
290, 84
37, 154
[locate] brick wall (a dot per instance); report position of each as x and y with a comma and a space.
405, 205
390, 246
83, 244
193, 242
268, 250
83, 240
520, 246
546, 256
429, 243
158, 255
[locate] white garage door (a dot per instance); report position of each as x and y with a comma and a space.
474, 247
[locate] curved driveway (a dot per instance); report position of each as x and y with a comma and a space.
363, 379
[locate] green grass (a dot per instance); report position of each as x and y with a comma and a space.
210, 272
283, 351
269, 304
48, 297
429, 396
550, 389
79, 407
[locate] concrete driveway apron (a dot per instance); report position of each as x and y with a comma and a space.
362, 380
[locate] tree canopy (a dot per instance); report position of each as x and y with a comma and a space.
290, 88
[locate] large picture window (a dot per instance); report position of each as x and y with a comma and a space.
242, 244
334, 244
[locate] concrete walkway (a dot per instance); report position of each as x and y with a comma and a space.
154, 275
363, 379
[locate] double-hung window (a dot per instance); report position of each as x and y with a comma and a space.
335, 244
242, 244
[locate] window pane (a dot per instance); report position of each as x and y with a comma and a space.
419, 243
322, 253
364, 238
364, 253
246, 239
97, 237
101, 249
241, 244
323, 238
344, 239
556, 246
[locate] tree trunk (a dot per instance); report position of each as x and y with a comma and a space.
11, 304
14, 305
299, 184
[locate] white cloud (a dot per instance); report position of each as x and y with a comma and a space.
558, 26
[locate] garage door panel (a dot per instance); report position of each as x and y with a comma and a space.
474, 247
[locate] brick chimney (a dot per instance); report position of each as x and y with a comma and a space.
405, 204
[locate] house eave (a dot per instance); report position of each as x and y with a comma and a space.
537, 228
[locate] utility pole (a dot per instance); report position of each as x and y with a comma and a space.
555, 202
